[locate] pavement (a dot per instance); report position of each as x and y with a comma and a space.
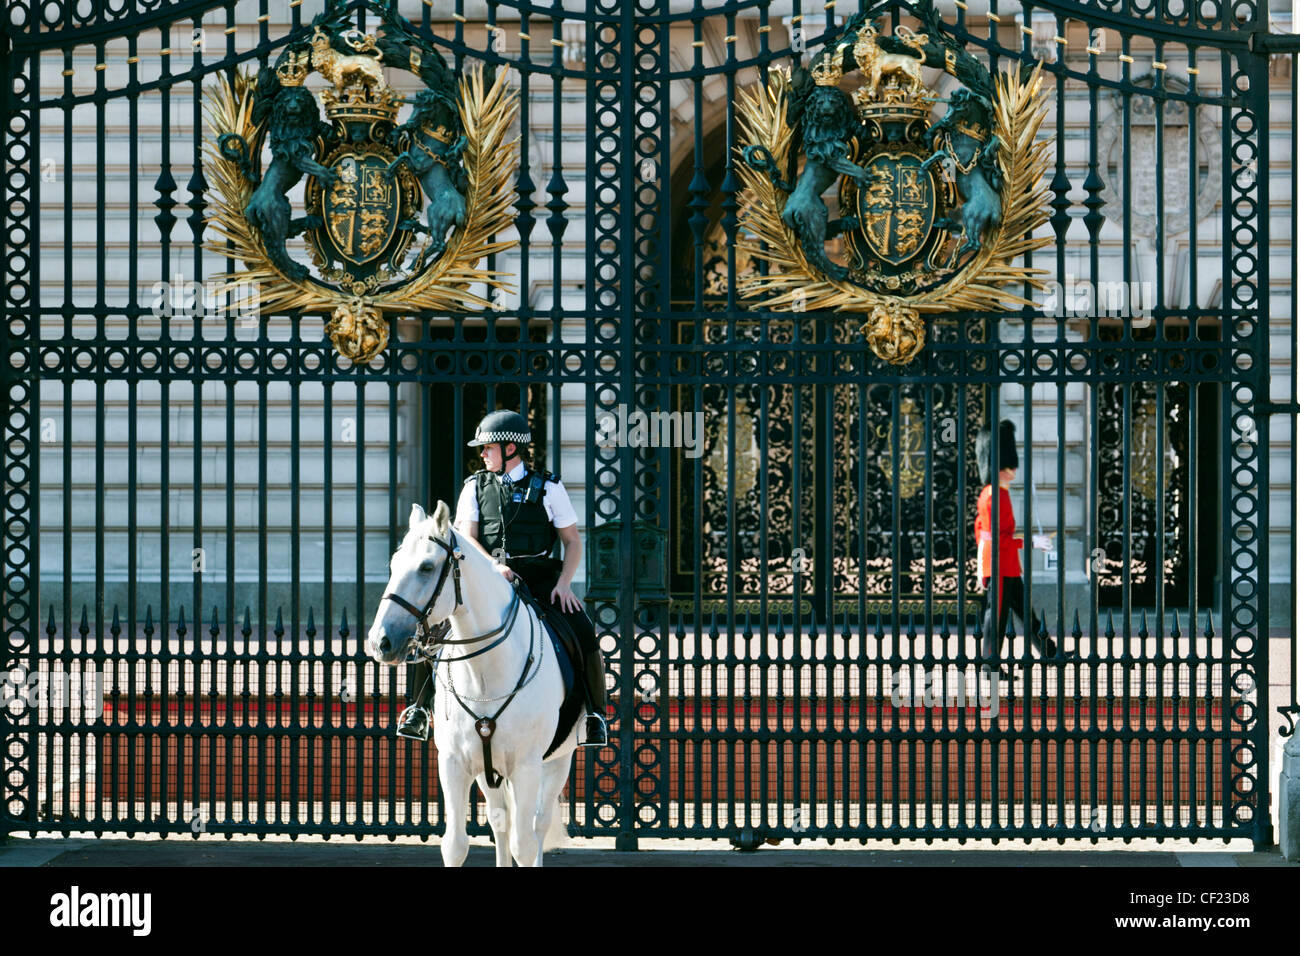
317, 852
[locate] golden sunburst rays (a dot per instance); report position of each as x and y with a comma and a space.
487, 113
982, 284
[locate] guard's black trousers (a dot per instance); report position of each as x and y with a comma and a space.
541, 578
1013, 602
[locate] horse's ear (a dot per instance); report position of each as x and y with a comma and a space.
417, 515
441, 517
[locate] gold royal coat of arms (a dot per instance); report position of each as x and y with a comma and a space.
398, 215
932, 213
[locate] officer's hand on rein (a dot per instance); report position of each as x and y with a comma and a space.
505, 571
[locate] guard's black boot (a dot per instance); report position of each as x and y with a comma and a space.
594, 732
414, 723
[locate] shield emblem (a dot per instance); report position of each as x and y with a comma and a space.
360, 210
896, 208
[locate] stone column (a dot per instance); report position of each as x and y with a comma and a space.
1288, 800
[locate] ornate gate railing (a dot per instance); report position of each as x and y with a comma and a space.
199, 506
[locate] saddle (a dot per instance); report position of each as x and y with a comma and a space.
568, 653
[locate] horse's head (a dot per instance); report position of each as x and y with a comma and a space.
968, 106
424, 585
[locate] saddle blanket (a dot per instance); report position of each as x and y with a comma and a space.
569, 656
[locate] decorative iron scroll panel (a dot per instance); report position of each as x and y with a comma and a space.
134, 447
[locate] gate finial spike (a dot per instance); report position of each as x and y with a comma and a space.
343, 625
180, 628
85, 624
1142, 628
215, 628
50, 629
247, 629
311, 623
279, 622
1209, 624
1173, 631
1110, 626
148, 620
116, 627
1077, 631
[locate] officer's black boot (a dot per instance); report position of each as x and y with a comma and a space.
414, 721
595, 732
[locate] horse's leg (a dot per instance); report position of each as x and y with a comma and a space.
525, 841
554, 775
454, 781
498, 807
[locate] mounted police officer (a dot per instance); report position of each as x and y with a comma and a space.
514, 514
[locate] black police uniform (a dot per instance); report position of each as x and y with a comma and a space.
513, 519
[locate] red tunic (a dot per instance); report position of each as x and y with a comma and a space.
1008, 546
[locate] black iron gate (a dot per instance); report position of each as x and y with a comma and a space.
199, 507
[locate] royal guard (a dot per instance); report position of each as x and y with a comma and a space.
515, 514
1010, 595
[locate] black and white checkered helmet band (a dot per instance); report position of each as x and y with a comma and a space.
491, 438
503, 425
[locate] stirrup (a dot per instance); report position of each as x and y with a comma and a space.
410, 724
595, 731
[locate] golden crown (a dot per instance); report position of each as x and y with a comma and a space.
361, 104
894, 104
829, 67
293, 71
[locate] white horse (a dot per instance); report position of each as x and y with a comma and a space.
500, 688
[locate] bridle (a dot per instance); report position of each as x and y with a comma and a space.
429, 640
